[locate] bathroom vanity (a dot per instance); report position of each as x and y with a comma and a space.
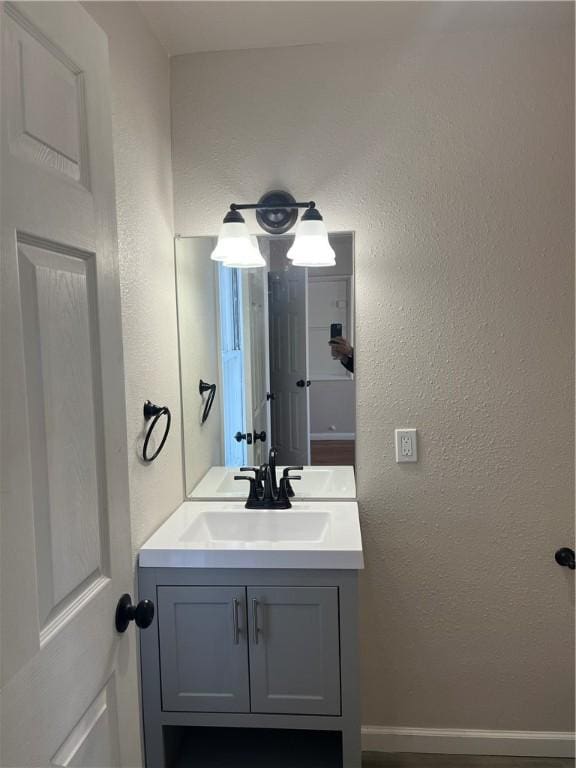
251, 660
252, 654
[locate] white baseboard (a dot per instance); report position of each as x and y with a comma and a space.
449, 741
332, 436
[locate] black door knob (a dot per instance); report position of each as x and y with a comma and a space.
142, 614
565, 557
270, 396
239, 437
300, 383
308, 382
260, 436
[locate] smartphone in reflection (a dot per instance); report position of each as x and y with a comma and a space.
335, 330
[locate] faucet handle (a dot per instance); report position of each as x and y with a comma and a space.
287, 476
286, 492
257, 475
287, 471
251, 480
254, 498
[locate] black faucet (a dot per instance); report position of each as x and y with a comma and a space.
272, 454
265, 492
270, 495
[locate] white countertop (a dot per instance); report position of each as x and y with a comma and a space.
224, 534
317, 483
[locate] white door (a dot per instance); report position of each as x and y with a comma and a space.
289, 361
257, 365
69, 681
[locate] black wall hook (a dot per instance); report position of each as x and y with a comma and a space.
211, 389
565, 557
154, 412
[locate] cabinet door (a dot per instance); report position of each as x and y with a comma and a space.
294, 650
203, 649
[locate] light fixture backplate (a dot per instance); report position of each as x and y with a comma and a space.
277, 221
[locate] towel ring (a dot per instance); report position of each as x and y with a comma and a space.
211, 389
154, 412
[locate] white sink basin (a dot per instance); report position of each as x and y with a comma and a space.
213, 534
256, 527
316, 483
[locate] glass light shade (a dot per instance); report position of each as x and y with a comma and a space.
233, 238
311, 247
249, 258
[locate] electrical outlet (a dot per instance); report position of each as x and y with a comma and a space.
405, 443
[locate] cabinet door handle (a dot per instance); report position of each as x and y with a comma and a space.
255, 629
235, 605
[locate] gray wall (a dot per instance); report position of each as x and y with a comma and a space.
448, 149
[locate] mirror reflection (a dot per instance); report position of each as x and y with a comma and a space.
278, 342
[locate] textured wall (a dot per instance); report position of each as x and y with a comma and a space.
450, 153
142, 156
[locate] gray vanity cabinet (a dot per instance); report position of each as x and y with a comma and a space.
255, 649
203, 649
294, 650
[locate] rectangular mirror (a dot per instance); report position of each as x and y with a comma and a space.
264, 337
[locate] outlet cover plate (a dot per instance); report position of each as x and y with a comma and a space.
406, 445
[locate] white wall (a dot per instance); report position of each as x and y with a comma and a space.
332, 402
448, 149
199, 334
142, 156
332, 409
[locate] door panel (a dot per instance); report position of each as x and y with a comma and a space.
288, 358
203, 658
294, 650
66, 552
62, 377
94, 741
258, 369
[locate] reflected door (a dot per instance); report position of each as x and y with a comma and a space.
257, 367
69, 681
288, 308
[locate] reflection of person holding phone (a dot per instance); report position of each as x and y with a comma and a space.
341, 349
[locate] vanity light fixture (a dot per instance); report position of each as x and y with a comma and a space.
311, 247
233, 239
245, 258
276, 212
